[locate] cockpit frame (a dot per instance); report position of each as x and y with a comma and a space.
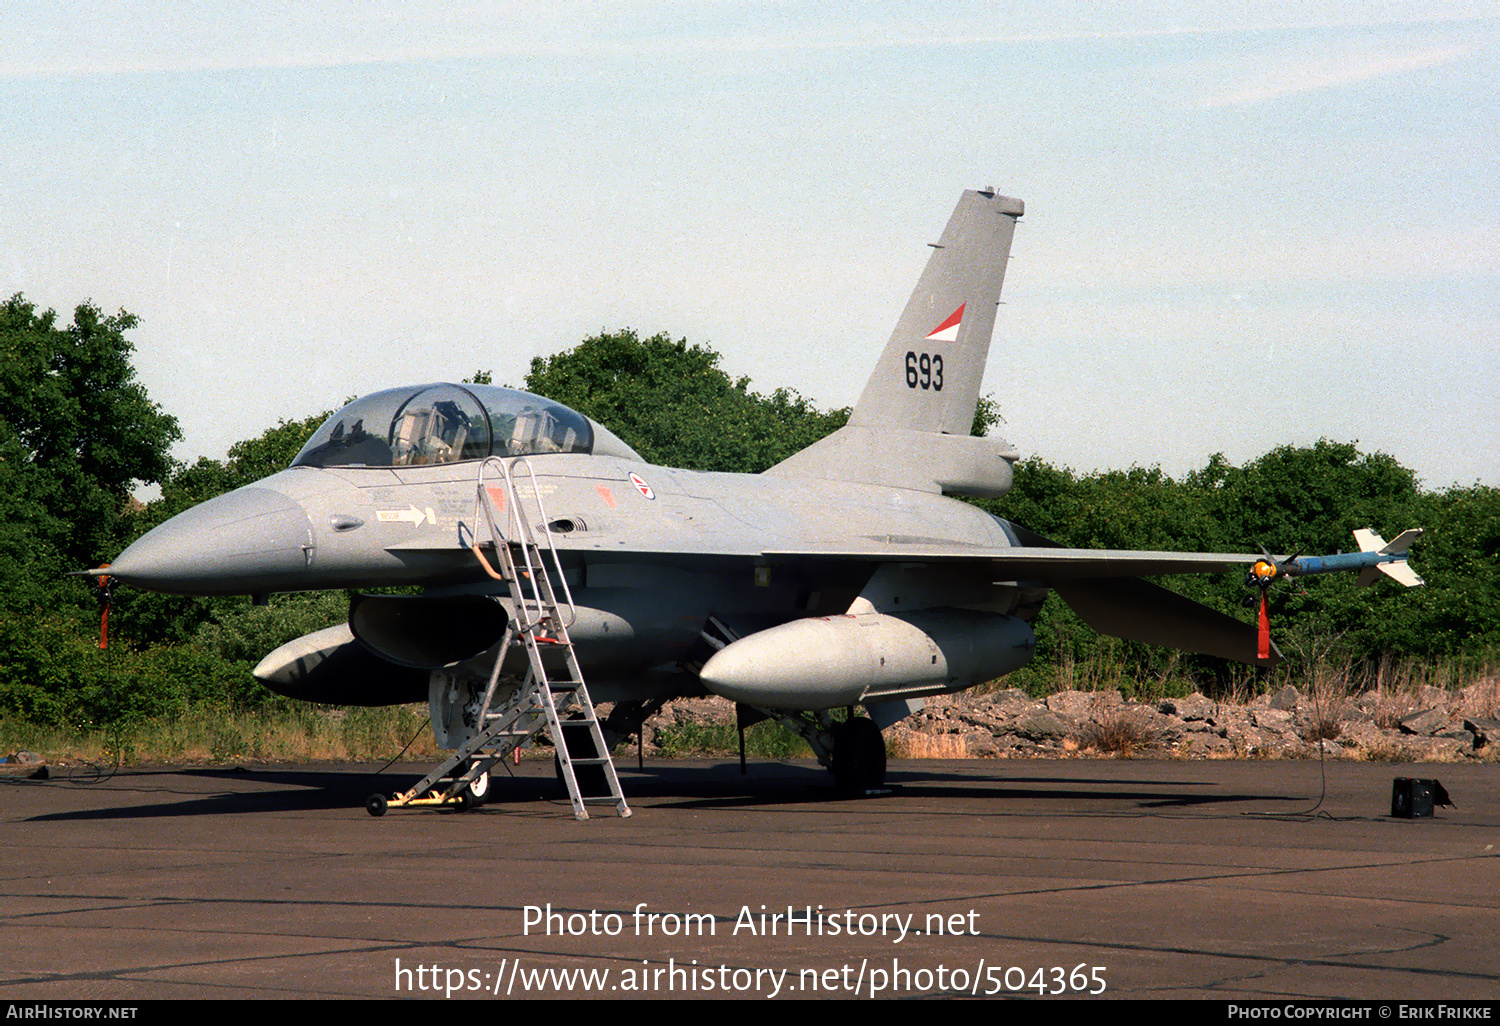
441, 423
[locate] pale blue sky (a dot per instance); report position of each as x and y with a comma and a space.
1242, 229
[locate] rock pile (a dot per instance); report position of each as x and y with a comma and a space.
1422, 725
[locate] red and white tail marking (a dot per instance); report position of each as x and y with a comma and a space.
948, 330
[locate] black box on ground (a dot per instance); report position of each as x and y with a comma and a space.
1411, 798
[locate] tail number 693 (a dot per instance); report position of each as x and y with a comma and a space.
925, 371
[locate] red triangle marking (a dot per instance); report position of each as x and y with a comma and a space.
954, 319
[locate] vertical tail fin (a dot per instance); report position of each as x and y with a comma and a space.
910, 428
929, 375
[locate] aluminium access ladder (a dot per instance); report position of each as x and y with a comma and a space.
557, 699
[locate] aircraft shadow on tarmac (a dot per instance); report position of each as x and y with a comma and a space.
688, 784
800, 785
305, 789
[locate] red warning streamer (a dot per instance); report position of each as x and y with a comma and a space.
106, 590
1263, 640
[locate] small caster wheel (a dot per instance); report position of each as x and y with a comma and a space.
376, 805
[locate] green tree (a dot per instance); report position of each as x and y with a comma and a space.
1305, 499
676, 406
1458, 612
76, 430
1291, 500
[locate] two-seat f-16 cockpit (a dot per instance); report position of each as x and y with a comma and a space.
429, 424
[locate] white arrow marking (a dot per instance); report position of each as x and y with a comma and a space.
410, 515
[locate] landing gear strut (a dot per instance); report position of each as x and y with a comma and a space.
852, 750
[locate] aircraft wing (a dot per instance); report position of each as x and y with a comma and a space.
1042, 565
1036, 558
1103, 586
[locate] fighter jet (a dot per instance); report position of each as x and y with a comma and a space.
851, 574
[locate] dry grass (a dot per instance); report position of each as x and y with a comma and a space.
1323, 728
1105, 669
1402, 688
1391, 690
1412, 684
1330, 691
1123, 733
217, 736
915, 745
1482, 698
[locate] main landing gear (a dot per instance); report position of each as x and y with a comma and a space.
852, 749
858, 759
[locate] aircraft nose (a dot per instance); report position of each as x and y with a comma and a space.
249, 540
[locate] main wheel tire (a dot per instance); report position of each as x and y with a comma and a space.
858, 756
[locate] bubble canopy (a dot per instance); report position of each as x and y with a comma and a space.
429, 424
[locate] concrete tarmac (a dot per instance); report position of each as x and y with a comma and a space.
1137, 879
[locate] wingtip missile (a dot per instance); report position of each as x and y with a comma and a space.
1376, 556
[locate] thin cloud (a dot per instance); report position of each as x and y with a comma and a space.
422, 33
1335, 73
